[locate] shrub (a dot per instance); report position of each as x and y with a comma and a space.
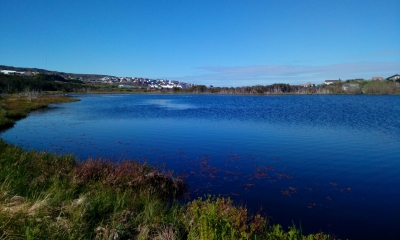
130, 174
218, 218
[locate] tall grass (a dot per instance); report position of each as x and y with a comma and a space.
40, 189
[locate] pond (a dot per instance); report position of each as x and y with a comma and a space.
325, 162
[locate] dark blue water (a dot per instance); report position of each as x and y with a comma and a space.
329, 163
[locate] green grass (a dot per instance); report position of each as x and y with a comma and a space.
45, 196
17, 106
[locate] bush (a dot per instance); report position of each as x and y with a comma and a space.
218, 218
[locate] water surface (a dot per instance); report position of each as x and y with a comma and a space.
329, 163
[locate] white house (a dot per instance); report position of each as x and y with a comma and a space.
167, 86
125, 86
8, 72
351, 87
306, 84
329, 82
394, 77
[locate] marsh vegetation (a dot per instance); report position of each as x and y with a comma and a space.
17, 106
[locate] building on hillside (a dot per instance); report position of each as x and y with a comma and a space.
306, 85
167, 86
125, 86
29, 73
377, 78
351, 87
394, 77
8, 72
330, 82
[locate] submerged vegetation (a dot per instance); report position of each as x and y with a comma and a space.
46, 196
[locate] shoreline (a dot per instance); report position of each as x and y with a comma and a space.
61, 192
15, 107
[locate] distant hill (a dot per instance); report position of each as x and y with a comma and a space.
83, 77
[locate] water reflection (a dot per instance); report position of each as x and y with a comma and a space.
169, 104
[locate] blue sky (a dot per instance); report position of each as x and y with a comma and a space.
210, 42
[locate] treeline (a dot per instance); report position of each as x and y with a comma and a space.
53, 82
277, 88
381, 87
364, 87
40, 82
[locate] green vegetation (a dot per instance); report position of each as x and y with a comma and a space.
40, 82
363, 87
44, 196
378, 87
16, 106
53, 82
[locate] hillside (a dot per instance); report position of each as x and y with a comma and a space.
30, 71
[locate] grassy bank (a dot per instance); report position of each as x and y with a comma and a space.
17, 106
46, 196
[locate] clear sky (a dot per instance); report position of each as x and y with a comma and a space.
210, 42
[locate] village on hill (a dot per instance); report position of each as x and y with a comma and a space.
125, 82
348, 85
